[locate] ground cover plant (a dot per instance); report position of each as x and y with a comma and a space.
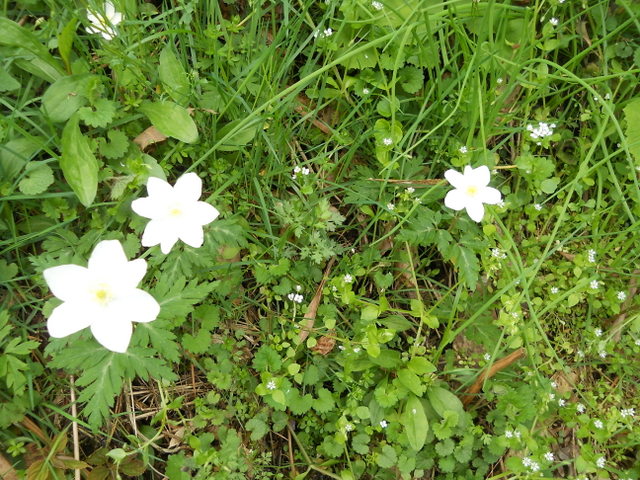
342, 239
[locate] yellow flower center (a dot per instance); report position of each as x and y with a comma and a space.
102, 295
175, 212
472, 190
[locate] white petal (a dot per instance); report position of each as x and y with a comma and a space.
68, 318
67, 281
481, 175
148, 207
490, 196
91, 29
475, 211
167, 244
455, 178
109, 9
158, 187
108, 33
456, 200
201, 213
192, 235
136, 306
159, 231
107, 256
113, 334
133, 272
189, 187
116, 18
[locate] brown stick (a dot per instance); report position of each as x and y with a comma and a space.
487, 374
74, 426
310, 316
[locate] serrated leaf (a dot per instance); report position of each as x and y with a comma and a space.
171, 120
79, 166
411, 79
415, 422
173, 76
324, 402
632, 132
387, 457
100, 114
64, 97
117, 145
257, 427
39, 177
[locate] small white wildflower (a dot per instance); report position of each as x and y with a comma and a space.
543, 130
501, 204
554, 21
554, 384
508, 434
580, 354
621, 296
560, 1
549, 457
271, 385
598, 424
487, 357
366, 91
463, 149
537, 206
600, 463
298, 288
103, 22
580, 408
377, 5
356, 350
499, 80
515, 314
554, 290
637, 342
328, 32
602, 354
410, 190
561, 402
414, 411
552, 396
340, 347
526, 461
391, 206
594, 284
534, 466
383, 423
295, 297
592, 255
305, 171
348, 427
347, 278
597, 332
517, 434
628, 412
607, 96
387, 141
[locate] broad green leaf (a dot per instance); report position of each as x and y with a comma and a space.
237, 138
173, 76
65, 42
64, 97
632, 117
443, 401
171, 120
387, 457
7, 82
410, 381
39, 177
14, 35
15, 154
415, 422
78, 164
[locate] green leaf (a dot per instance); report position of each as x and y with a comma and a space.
421, 365
299, 404
387, 457
65, 41
41, 62
257, 427
173, 76
117, 145
39, 177
7, 82
549, 185
632, 117
415, 422
410, 381
15, 154
444, 401
64, 97
411, 79
100, 114
171, 120
360, 443
237, 139
79, 166
324, 402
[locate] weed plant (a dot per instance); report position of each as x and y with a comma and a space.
338, 320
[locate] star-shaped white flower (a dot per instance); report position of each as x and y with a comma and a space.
175, 212
102, 296
102, 22
471, 191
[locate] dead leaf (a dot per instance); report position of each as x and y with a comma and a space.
6, 469
150, 136
325, 344
310, 316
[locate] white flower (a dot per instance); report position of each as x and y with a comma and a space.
102, 296
541, 131
548, 457
487, 357
347, 278
552, 396
602, 354
391, 206
554, 384
348, 427
534, 466
561, 402
384, 424
622, 296
328, 32
499, 80
526, 461
471, 191
271, 385
366, 91
537, 206
463, 149
592, 255
598, 424
103, 22
356, 350
627, 412
517, 433
594, 284
410, 190
508, 434
597, 332
295, 297
175, 212
377, 5
554, 21
554, 290
580, 408
600, 463
637, 342
387, 141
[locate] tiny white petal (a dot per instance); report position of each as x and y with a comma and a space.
202, 213
64, 280
147, 207
68, 318
136, 306
192, 235
156, 187
113, 335
490, 196
189, 187
475, 211
106, 256
455, 199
